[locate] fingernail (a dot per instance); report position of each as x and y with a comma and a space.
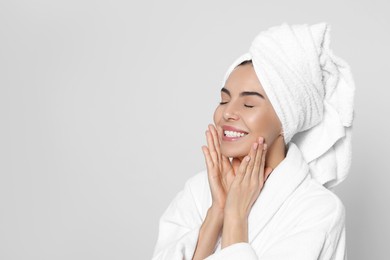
247, 158
255, 145
264, 146
261, 140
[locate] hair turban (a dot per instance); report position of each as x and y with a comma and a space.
312, 93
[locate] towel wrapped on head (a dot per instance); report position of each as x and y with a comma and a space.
311, 91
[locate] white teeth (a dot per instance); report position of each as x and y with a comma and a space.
233, 134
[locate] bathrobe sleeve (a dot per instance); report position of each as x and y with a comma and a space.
318, 235
180, 223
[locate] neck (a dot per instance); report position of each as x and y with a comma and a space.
276, 153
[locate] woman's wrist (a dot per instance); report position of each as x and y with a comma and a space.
209, 232
215, 216
234, 214
235, 230
216, 211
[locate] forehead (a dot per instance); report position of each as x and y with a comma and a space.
243, 78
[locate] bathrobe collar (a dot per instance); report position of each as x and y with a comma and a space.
282, 182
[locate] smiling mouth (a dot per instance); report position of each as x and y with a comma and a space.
229, 135
233, 134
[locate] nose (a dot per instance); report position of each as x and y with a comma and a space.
230, 113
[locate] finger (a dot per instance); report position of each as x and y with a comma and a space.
217, 135
215, 139
257, 169
225, 160
262, 171
242, 169
211, 147
253, 153
207, 157
226, 164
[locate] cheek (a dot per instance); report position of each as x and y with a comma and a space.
263, 123
217, 115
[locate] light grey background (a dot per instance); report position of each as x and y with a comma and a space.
104, 104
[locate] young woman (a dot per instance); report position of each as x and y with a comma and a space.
280, 139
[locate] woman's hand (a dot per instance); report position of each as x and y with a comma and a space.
243, 193
249, 181
220, 174
219, 169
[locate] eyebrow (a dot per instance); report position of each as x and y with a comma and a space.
244, 93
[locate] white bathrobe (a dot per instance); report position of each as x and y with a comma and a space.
294, 217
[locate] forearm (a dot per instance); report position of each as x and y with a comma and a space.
235, 230
208, 234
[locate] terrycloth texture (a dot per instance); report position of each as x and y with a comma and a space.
312, 92
294, 217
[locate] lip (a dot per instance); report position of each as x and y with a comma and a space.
231, 128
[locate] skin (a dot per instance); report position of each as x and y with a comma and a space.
237, 170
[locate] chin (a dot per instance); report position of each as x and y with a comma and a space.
234, 151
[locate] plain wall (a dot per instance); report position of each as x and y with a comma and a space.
104, 104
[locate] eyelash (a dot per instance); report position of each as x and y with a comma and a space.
223, 103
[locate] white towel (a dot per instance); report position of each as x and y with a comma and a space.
312, 92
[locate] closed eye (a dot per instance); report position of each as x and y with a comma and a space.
248, 106
222, 103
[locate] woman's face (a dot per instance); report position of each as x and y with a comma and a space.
244, 114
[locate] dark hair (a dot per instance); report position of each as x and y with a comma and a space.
245, 62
